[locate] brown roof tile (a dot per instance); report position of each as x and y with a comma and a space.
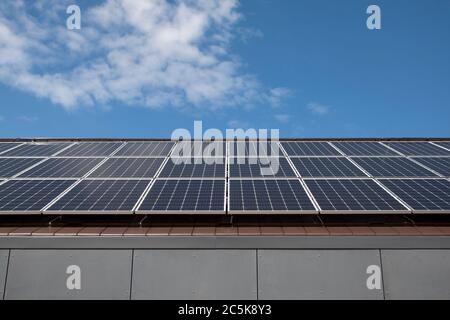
68, 231
204, 231
226, 231
114, 231
316, 231
158, 231
136, 231
91, 231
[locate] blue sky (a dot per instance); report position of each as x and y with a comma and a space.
309, 68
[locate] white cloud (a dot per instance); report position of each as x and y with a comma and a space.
238, 124
283, 118
317, 108
154, 53
28, 119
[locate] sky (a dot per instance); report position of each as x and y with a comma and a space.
143, 68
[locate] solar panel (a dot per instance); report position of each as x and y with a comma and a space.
199, 148
128, 168
393, 167
91, 149
444, 144
193, 168
9, 167
146, 149
257, 167
356, 148
179, 196
30, 195
326, 167
36, 150
101, 196
280, 196
441, 164
303, 148
62, 168
7, 146
422, 195
352, 196
418, 148
260, 148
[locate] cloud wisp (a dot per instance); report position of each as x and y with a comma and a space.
318, 109
152, 53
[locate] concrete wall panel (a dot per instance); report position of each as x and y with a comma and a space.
316, 274
42, 274
3, 268
416, 274
194, 274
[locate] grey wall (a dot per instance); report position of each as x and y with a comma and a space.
41, 274
316, 274
194, 274
3, 267
416, 274
225, 274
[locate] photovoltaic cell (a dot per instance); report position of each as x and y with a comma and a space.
303, 148
199, 148
358, 195
62, 168
326, 167
128, 168
257, 148
268, 195
91, 149
418, 148
36, 150
422, 194
393, 167
251, 167
101, 196
185, 195
441, 164
9, 167
356, 148
30, 195
444, 144
7, 146
146, 149
187, 168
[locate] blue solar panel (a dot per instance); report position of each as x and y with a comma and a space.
10, 167
326, 167
278, 196
256, 148
260, 167
393, 167
128, 168
30, 195
199, 148
193, 168
91, 149
439, 164
185, 196
62, 168
444, 144
146, 149
7, 146
352, 195
418, 148
107, 196
364, 148
301, 148
36, 150
422, 195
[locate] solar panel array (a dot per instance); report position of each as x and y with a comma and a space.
245, 177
